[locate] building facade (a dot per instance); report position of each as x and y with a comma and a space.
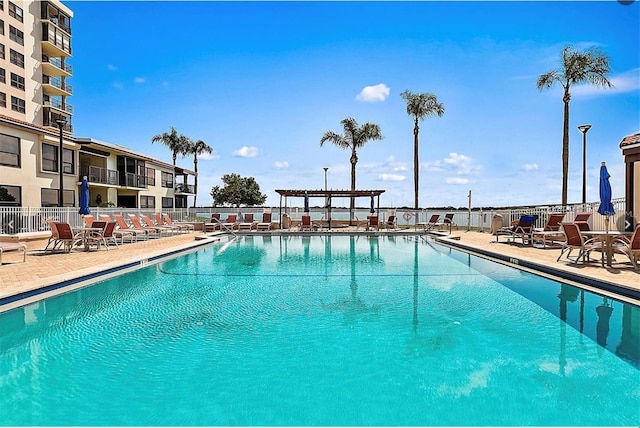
39, 155
630, 146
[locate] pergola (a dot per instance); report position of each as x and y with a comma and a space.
327, 195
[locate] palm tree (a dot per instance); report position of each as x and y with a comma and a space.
590, 66
197, 148
420, 106
176, 143
353, 138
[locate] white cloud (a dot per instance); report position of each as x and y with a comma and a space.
391, 177
530, 166
281, 164
629, 81
209, 156
372, 94
139, 80
111, 67
396, 165
456, 180
246, 152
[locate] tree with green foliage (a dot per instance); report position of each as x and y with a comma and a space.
237, 191
420, 106
589, 66
175, 142
354, 137
197, 148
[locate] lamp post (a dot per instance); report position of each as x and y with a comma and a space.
584, 129
61, 123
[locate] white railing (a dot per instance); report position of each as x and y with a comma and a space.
15, 220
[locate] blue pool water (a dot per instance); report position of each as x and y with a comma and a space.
322, 331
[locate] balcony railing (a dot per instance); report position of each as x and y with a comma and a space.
184, 188
57, 62
57, 83
52, 122
56, 103
96, 174
134, 180
55, 36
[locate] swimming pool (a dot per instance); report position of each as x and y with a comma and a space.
322, 330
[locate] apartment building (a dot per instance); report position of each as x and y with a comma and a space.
39, 155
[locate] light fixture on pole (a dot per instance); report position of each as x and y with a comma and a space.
584, 129
61, 123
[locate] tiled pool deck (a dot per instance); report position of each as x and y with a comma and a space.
46, 270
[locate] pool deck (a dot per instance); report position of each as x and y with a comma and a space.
45, 270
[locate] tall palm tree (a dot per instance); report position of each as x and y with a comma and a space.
176, 143
353, 138
420, 106
197, 148
589, 66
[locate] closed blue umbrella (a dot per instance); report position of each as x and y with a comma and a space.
84, 197
606, 207
306, 202
373, 209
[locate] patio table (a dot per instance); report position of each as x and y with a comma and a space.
606, 237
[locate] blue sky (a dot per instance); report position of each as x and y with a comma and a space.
261, 82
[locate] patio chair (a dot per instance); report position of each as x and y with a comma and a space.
265, 224
550, 234
185, 226
553, 223
213, 224
581, 220
148, 223
576, 241
523, 228
305, 223
151, 231
373, 222
230, 224
389, 224
247, 222
629, 247
448, 221
161, 223
88, 219
433, 222
6, 247
97, 237
139, 232
65, 236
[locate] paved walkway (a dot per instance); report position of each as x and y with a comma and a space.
42, 269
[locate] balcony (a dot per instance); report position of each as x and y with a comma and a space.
55, 42
184, 188
51, 13
134, 180
58, 104
51, 122
53, 66
100, 175
56, 86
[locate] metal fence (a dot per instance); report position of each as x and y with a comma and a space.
24, 220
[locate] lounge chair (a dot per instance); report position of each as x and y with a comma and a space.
448, 221
519, 229
247, 222
184, 225
231, 223
629, 247
305, 223
139, 231
118, 232
389, 224
161, 223
433, 222
581, 220
265, 224
550, 234
88, 219
148, 223
576, 241
213, 224
6, 247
